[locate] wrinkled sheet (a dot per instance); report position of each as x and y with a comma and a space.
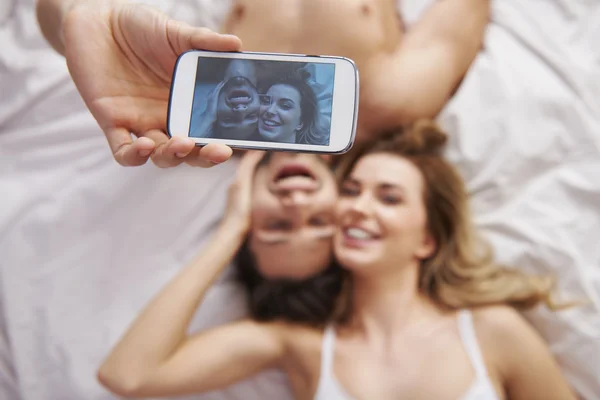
84, 243
526, 136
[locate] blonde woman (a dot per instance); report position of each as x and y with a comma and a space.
426, 312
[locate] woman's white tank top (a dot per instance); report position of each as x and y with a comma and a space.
481, 388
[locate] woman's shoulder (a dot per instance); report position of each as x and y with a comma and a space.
295, 333
496, 316
302, 342
501, 331
498, 322
302, 351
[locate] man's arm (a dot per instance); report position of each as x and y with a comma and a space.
417, 79
121, 56
50, 15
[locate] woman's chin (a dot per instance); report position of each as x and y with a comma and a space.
276, 136
267, 136
355, 261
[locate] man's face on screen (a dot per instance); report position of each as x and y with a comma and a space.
238, 104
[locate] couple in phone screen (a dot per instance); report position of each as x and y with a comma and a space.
262, 101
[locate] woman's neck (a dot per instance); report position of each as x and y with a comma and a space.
386, 304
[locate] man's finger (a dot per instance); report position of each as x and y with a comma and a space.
126, 151
203, 38
184, 37
193, 159
208, 156
172, 152
216, 153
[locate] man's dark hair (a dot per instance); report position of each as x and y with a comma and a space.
310, 301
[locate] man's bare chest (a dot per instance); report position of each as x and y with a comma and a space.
350, 28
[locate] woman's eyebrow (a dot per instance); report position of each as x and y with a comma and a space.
392, 186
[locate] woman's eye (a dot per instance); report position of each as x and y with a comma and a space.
390, 199
285, 105
318, 221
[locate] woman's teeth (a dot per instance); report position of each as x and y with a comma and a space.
271, 123
240, 99
357, 233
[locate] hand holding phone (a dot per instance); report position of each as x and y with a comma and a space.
142, 51
281, 102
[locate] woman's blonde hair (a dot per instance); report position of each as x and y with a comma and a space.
461, 272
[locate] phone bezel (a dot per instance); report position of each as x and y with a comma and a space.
344, 102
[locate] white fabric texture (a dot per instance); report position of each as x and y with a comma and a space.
525, 129
86, 243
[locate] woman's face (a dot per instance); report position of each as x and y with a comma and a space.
293, 206
281, 117
381, 216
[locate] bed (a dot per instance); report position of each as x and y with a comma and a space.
80, 255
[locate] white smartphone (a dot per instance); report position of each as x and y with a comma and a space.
281, 102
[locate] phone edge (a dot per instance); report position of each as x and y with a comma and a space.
241, 147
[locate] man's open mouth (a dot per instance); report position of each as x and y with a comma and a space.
239, 96
294, 170
295, 177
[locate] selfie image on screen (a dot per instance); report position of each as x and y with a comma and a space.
267, 101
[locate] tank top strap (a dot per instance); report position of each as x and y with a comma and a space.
327, 352
469, 338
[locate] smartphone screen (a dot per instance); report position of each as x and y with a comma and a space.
285, 102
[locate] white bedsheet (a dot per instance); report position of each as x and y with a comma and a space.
86, 243
526, 135
75, 268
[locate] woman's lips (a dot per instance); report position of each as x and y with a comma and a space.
270, 123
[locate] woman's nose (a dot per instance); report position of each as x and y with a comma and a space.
272, 110
362, 205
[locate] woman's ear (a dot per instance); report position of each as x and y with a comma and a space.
427, 248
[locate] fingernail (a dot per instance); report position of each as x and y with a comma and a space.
144, 153
179, 155
215, 162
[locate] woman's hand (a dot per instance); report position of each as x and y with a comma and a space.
208, 117
213, 100
239, 203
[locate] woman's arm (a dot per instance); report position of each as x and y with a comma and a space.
525, 363
204, 121
157, 358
